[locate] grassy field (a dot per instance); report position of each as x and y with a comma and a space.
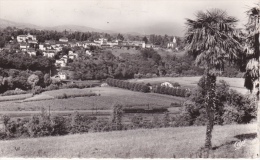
182, 142
235, 83
15, 97
108, 97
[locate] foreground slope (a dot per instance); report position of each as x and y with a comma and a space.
163, 143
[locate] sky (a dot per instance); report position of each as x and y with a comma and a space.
142, 16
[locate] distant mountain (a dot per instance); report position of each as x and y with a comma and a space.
6, 23
76, 28
159, 29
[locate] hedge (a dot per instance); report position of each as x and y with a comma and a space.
174, 91
128, 85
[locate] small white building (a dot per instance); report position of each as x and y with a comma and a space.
62, 75
23, 38
101, 41
49, 53
63, 39
72, 55
88, 53
144, 45
24, 46
167, 84
60, 63
31, 52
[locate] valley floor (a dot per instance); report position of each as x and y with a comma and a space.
150, 143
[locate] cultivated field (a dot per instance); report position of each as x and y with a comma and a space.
108, 97
150, 143
235, 83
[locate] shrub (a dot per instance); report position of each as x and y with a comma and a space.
137, 121
80, 123
52, 87
60, 125
40, 125
176, 84
14, 92
117, 117
166, 119
100, 125
37, 90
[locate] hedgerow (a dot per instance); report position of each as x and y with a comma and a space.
128, 85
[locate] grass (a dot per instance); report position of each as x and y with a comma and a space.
182, 142
109, 96
15, 97
235, 83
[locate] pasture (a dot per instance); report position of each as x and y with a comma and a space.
235, 83
108, 97
180, 142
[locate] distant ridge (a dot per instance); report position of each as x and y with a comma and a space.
144, 30
6, 23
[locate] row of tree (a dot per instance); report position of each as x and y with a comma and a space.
128, 85
174, 91
22, 61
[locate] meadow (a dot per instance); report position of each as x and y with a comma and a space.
180, 142
108, 97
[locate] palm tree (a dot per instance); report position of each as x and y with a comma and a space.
252, 49
211, 39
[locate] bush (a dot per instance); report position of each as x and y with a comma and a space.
14, 92
60, 125
40, 125
231, 107
52, 87
176, 84
80, 123
37, 90
117, 117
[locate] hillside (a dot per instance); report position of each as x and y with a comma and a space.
153, 143
6, 23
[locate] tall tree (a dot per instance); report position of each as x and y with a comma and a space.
211, 39
252, 49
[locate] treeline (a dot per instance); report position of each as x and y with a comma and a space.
176, 91
22, 61
173, 91
128, 85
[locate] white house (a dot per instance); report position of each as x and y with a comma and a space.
166, 84
62, 75
72, 55
49, 53
23, 38
41, 47
101, 41
63, 39
24, 46
31, 52
88, 53
60, 63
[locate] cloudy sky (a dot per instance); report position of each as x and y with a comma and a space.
142, 16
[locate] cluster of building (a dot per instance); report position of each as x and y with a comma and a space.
28, 43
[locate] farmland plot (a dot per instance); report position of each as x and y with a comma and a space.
108, 97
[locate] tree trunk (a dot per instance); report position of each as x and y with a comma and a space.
210, 106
